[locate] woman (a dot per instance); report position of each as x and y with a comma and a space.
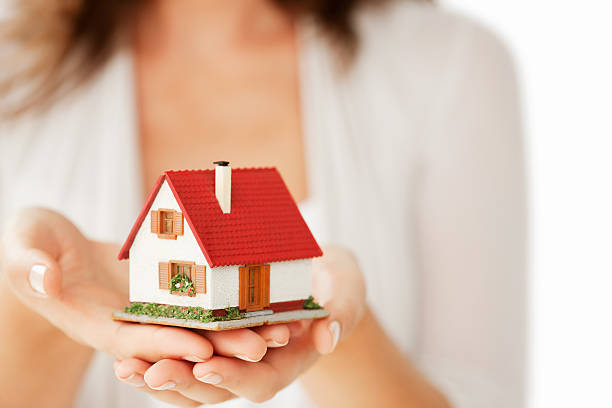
396, 128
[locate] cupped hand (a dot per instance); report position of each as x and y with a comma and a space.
76, 284
337, 284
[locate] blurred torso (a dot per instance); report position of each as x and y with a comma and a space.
220, 91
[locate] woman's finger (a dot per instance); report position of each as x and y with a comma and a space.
30, 250
256, 382
153, 343
132, 372
326, 334
33, 274
339, 274
244, 344
275, 336
178, 376
260, 381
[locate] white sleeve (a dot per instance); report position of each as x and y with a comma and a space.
472, 232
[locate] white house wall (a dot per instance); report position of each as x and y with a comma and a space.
148, 250
225, 281
289, 280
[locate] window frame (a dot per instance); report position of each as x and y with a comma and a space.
160, 213
173, 262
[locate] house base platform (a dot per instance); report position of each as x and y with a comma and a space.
248, 321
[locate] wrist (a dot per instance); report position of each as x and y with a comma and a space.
29, 340
368, 359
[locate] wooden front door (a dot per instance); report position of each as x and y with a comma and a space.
254, 287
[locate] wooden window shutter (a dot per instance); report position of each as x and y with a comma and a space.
242, 290
164, 275
178, 223
155, 222
200, 279
265, 285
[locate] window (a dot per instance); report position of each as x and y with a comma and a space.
196, 273
167, 221
181, 268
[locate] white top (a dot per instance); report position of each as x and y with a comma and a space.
414, 160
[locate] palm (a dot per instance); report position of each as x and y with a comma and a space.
85, 284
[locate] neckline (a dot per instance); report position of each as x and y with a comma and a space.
308, 52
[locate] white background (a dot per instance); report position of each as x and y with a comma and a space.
564, 52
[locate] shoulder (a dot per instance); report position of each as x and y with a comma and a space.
417, 35
418, 67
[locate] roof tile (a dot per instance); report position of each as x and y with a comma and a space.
264, 224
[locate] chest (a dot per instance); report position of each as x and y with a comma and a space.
240, 108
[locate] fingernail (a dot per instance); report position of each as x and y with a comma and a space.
245, 358
135, 380
194, 359
334, 328
165, 386
211, 378
274, 343
37, 278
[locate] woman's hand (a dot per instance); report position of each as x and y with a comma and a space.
76, 284
338, 285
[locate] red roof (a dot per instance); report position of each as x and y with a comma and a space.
264, 224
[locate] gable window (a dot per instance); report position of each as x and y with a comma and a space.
167, 219
166, 223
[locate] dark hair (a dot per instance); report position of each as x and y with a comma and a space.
45, 35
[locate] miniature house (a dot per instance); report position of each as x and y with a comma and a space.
221, 238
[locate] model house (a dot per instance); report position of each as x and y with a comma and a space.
219, 239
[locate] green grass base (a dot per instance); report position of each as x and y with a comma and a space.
182, 312
195, 313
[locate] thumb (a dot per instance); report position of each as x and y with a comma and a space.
28, 253
33, 273
339, 285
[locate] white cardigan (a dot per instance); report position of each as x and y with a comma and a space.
415, 157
